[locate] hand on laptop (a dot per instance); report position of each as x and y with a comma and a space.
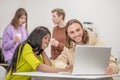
109, 70
69, 68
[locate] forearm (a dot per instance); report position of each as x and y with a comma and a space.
47, 68
46, 59
52, 53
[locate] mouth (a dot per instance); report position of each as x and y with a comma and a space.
77, 39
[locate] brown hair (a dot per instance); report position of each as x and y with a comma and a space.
85, 37
59, 12
17, 16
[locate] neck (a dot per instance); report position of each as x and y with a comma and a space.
61, 24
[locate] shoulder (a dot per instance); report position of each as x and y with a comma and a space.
94, 39
91, 34
68, 51
55, 28
9, 27
27, 47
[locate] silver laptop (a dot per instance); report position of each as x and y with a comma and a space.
91, 60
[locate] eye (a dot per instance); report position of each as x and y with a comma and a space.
45, 37
78, 30
71, 32
49, 39
54, 16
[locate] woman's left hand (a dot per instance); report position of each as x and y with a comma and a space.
109, 70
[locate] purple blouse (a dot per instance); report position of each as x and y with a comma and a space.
8, 45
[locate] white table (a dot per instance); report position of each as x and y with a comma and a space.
48, 76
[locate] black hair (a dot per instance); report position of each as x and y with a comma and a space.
34, 40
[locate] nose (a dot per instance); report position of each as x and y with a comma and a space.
75, 34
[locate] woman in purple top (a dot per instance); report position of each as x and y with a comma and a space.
14, 33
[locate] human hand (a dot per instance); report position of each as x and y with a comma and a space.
16, 38
109, 70
54, 42
69, 68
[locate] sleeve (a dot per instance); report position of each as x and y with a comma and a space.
30, 58
7, 41
53, 51
53, 55
94, 40
62, 60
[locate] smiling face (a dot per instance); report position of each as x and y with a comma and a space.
45, 41
75, 32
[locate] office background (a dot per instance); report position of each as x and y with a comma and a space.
104, 14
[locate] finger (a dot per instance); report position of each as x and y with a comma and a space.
108, 72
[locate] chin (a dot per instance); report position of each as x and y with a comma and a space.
78, 41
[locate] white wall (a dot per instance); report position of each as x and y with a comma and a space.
105, 14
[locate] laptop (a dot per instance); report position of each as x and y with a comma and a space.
90, 60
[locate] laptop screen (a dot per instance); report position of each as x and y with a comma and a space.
91, 59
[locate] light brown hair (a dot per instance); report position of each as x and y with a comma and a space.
17, 16
59, 12
85, 37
